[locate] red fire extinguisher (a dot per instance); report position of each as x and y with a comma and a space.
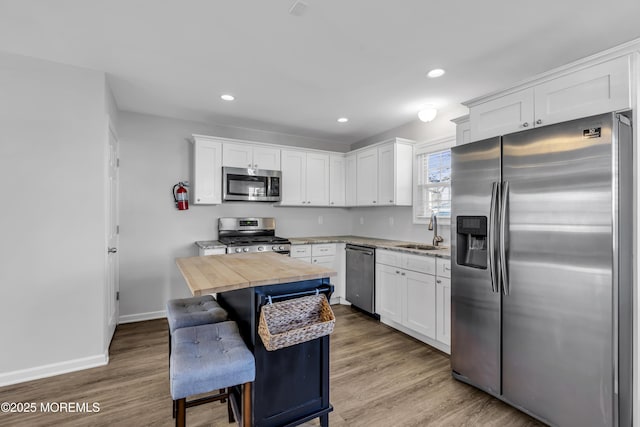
181, 196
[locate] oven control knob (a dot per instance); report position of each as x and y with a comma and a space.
281, 248
245, 249
274, 248
238, 250
260, 248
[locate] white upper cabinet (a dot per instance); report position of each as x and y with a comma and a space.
395, 174
317, 179
384, 174
367, 177
351, 177
207, 171
240, 155
337, 185
463, 130
598, 89
506, 114
594, 88
305, 178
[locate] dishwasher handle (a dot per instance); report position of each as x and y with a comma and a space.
364, 251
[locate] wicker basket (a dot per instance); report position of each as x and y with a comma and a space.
291, 322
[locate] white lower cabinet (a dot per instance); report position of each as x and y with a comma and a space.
329, 255
389, 286
443, 300
408, 297
443, 310
420, 293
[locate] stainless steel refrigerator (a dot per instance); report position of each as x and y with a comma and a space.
542, 234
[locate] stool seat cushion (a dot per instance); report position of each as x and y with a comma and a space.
209, 357
185, 312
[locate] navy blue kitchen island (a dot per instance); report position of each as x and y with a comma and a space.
292, 383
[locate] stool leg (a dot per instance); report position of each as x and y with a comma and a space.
181, 412
246, 405
181, 415
175, 407
223, 400
229, 408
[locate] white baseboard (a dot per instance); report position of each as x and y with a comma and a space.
140, 317
53, 369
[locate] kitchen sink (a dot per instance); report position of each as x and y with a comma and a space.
421, 247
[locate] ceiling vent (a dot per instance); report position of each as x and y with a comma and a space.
298, 8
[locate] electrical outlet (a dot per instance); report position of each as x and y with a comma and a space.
361, 220
320, 219
391, 221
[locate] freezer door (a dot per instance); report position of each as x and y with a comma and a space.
475, 302
557, 319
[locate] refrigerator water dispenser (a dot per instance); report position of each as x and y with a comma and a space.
472, 241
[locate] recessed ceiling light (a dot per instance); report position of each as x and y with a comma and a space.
436, 72
343, 120
227, 97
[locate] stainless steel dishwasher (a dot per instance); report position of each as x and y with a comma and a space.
361, 277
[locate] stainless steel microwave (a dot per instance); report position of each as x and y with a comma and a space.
254, 185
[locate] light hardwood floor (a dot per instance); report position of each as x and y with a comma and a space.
379, 377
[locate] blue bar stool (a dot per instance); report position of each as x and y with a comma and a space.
193, 311
206, 358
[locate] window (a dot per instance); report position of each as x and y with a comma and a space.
432, 188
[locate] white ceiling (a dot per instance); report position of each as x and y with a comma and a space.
363, 59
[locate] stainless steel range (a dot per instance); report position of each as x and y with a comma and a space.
251, 235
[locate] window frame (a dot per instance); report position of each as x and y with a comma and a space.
427, 148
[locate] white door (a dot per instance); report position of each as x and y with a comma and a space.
293, 185
420, 310
386, 175
367, 177
336, 180
390, 287
112, 285
351, 179
237, 155
266, 158
317, 179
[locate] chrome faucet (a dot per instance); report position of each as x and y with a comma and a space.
433, 225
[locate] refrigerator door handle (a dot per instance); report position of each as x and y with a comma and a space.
492, 239
503, 234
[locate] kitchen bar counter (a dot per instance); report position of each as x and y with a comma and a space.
220, 273
393, 245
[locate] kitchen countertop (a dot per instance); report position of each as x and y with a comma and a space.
220, 273
210, 244
393, 245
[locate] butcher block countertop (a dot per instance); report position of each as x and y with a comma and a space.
220, 273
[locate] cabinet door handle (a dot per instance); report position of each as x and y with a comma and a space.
255, 166
402, 274
374, 201
525, 125
249, 165
539, 121
438, 281
397, 272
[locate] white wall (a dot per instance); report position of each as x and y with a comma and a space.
440, 127
396, 223
154, 155
52, 250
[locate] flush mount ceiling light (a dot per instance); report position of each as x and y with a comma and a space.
436, 72
227, 97
427, 114
343, 120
